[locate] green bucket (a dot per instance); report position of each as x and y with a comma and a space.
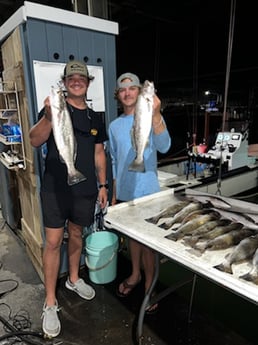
101, 256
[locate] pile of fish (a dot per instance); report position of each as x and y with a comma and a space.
202, 226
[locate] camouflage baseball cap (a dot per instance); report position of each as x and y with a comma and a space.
77, 67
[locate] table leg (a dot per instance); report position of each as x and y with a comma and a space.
146, 301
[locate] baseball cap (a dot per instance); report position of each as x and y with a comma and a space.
77, 67
134, 80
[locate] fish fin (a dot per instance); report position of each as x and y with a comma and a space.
75, 178
200, 246
224, 268
134, 166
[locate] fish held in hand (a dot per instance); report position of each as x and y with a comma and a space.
243, 251
142, 125
64, 135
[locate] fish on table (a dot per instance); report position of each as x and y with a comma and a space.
64, 135
193, 224
252, 275
141, 129
179, 216
243, 218
243, 251
224, 241
220, 230
169, 211
213, 200
205, 229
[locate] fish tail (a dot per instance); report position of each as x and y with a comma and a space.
172, 237
135, 166
250, 277
165, 226
75, 178
224, 268
153, 220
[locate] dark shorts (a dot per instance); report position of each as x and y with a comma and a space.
58, 208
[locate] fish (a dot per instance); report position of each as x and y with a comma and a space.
142, 124
243, 218
64, 135
213, 200
220, 230
243, 251
252, 275
222, 203
224, 241
203, 229
192, 225
179, 216
168, 212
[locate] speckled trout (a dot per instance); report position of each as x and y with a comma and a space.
252, 275
169, 211
63, 134
142, 125
243, 251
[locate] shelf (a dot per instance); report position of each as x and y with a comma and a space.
10, 165
10, 139
6, 113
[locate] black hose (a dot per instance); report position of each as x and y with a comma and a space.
22, 336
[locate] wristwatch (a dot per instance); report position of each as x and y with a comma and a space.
103, 185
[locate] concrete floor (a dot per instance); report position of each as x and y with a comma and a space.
107, 320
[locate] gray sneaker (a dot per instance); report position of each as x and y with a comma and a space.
81, 288
51, 324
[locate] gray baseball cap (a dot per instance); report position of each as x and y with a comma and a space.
134, 80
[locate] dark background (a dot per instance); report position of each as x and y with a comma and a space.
183, 46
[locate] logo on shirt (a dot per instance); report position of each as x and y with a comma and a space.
94, 131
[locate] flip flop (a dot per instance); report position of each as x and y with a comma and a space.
153, 308
127, 286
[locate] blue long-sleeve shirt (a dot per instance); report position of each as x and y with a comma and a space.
131, 184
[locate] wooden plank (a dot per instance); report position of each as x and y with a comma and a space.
30, 208
33, 248
12, 50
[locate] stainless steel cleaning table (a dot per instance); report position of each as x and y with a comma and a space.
129, 219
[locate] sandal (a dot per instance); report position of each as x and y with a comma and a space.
126, 286
153, 308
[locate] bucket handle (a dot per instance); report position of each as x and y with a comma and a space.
103, 266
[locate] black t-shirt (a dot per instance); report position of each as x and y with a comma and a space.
89, 129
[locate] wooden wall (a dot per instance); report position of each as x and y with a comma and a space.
31, 225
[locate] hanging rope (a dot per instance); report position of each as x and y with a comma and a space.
230, 44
